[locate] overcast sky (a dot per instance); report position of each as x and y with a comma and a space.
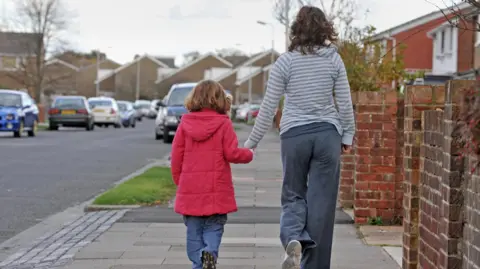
123, 28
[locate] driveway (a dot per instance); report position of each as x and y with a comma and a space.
46, 174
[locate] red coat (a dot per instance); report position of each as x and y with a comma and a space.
204, 146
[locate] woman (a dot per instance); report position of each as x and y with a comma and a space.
313, 134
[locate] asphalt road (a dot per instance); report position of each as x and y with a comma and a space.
46, 174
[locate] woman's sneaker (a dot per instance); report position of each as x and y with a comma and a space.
293, 255
208, 261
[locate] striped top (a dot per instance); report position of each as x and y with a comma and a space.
308, 83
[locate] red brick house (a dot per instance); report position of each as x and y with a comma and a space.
431, 45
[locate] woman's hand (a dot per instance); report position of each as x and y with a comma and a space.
346, 149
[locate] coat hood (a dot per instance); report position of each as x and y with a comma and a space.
202, 125
327, 51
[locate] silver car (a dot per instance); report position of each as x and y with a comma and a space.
142, 107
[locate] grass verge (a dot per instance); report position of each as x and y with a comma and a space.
154, 186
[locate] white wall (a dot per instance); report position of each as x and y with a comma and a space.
104, 72
163, 72
215, 72
244, 72
445, 60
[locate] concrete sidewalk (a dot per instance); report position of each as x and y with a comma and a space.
155, 237
139, 241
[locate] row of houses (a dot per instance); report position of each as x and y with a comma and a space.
442, 44
146, 76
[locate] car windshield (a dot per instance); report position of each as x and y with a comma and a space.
100, 102
68, 103
178, 95
122, 106
10, 99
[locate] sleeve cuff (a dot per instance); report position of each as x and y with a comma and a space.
347, 139
250, 144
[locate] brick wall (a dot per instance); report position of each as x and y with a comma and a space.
471, 228
442, 213
430, 182
417, 99
374, 185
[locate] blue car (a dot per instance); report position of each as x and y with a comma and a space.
171, 109
127, 113
18, 113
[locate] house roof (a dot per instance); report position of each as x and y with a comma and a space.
254, 74
418, 21
236, 60
253, 59
17, 43
193, 63
146, 56
169, 61
58, 61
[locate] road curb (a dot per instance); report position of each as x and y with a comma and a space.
94, 208
90, 207
58, 220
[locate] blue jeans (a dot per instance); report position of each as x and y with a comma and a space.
311, 168
203, 234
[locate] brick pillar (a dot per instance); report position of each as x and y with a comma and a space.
417, 99
399, 154
347, 174
375, 155
451, 218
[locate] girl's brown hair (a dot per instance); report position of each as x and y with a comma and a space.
310, 30
207, 94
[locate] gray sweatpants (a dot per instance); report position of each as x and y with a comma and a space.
308, 212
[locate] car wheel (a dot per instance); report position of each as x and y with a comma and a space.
158, 136
52, 127
167, 139
117, 125
90, 126
140, 119
133, 123
20, 130
34, 130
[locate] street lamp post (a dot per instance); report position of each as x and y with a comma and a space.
97, 86
272, 59
250, 72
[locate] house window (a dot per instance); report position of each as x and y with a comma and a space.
442, 42
9, 62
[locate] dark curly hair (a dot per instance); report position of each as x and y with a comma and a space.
310, 30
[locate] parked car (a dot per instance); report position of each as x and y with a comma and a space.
244, 111
105, 111
127, 113
142, 107
18, 113
153, 110
70, 111
171, 111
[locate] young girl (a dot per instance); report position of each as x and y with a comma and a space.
203, 148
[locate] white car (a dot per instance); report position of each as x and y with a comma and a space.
142, 107
105, 111
152, 112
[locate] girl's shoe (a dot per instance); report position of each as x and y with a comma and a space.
293, 255
208, 261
